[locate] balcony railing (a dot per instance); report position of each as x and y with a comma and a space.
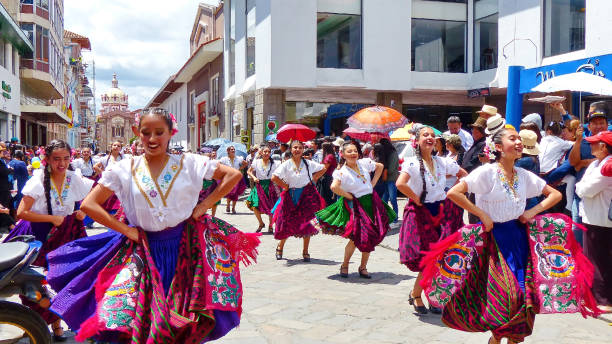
29, 8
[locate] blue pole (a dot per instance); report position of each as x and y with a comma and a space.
514, 99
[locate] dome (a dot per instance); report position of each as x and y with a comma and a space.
114, 94
115, 91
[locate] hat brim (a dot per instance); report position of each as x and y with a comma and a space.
593, 139
598, 115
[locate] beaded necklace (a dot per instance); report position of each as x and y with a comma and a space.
297, 169
358, 172
510, 188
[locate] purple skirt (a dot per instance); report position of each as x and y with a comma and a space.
76, 266
237, 191
296, 209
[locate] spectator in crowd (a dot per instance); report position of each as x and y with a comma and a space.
318, 155
20, 173
595, 191
330, 162
580, 157
553, 147
528, 125
487, 112
393, 170
378, 155
529, 159
440, 146
474, 156
455, 148
537, 120
6, 221
308, 153
453, 124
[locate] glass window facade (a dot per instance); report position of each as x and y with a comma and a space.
564, 23
438, 46
339, 41
250, 44
485, 34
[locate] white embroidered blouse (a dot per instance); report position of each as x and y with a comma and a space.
263, 172
85, 167
502, 200
355, 182
155, 205
436, 181
74, 189
297, 176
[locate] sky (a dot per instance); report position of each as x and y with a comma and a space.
144, 42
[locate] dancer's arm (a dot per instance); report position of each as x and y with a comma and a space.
457, 195
336, 187
377, 173
402, 185
281, 183
553, 197
228, 177
24, 212
92, 206
251, 174
319, 174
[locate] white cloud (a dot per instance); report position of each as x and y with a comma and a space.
144, 42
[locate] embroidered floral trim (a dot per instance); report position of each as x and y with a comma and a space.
510, 188
57, 199
150, 188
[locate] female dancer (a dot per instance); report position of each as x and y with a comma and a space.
498, 294
299, 201
86, 164
427, 216
171, 278
359, 213
263, 195
112, 204
329, 160
47, 210
238, 163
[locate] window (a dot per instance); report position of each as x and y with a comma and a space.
215, 92
438, 46
191, 110
232, 43
250, 46
339, 34
564, 23
485, 34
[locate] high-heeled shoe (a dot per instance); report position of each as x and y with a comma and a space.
261, 226
343, 271
279, 253
306, 257
434, 310
418, 309
59, 337
363, 273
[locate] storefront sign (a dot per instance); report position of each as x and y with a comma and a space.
6, 90
479, 92
597, 65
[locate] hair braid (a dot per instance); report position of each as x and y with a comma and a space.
47, 187
422, 172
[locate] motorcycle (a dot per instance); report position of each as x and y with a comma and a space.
18, 277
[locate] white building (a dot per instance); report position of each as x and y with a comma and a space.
290, 60
13, 42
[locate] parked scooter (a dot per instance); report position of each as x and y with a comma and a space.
18, 277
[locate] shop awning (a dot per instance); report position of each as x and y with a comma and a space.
45, 113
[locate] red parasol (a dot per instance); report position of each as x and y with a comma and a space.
364, 135
379, 119
298, 132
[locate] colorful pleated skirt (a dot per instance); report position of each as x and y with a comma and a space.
365, 220
208, 186
237, 191
263, 197
295, 211
169, 287
425, 225
498, 281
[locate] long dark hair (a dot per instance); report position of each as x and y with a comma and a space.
328, 148
54, 145
417, 128
388, 150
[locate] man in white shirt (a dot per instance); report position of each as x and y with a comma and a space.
552, 148
454, 127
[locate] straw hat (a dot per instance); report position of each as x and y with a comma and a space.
494, 124
530, 142
480, 123
339, 142
487, 111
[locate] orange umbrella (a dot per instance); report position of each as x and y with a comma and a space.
380, 119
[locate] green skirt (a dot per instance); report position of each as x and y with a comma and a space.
253, 200
206, 184
333, 219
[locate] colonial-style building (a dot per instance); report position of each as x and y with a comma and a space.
115, 120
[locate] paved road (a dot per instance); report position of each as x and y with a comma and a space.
289, 301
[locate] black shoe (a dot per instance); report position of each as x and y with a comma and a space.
60, 338
434, 310
421, 310
279, 254
306, 257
